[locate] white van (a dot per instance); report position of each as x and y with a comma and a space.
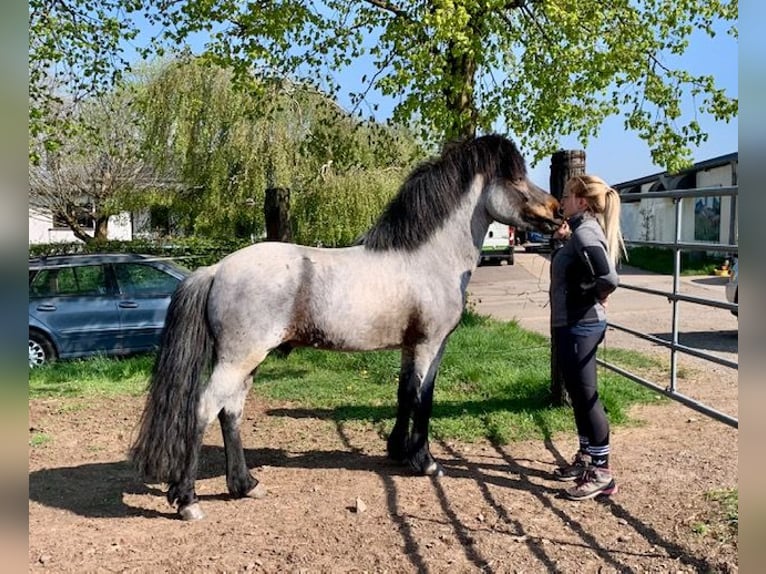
498, 243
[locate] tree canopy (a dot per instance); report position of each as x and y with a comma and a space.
540, 69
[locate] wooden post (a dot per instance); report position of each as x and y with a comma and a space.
276, 213
564, 164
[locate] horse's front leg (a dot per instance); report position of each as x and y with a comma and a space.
420, 457
397, 445
419, 378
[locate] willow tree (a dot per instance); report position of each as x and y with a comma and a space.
543, 68
227, 142
202, 130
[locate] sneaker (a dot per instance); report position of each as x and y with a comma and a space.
595, 481
574, 470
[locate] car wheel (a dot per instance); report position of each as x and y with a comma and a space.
41, 350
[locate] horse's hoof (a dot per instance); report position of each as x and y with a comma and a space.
191, 512
258, 491
434, 469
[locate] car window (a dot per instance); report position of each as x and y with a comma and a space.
88, 280
136, 279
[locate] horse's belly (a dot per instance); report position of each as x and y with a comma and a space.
365, 334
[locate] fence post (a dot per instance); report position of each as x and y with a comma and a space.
276, 213
564, 164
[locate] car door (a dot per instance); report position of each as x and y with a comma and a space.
145, 292
78, 308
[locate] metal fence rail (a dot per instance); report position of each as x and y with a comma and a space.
675, 297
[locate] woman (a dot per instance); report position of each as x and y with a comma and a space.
583, 275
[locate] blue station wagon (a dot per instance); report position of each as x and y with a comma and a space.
111, 304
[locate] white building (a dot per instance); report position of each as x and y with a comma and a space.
703, 219
44, 228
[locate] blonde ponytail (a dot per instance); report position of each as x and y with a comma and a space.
604, 203
611, 225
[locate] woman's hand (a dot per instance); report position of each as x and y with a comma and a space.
563, 232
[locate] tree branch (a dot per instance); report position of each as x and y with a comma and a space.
388, 7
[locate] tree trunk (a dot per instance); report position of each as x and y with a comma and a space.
459, 95
101, 228
77, 230
276, 212
564, 164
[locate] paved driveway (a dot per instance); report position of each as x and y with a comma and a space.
520, 292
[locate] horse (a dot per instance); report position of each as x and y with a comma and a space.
401, 286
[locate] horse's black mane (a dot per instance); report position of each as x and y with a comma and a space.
435, 188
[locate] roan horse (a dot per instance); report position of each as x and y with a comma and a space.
403, 286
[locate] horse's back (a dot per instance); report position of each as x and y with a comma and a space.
266, 270
336, 298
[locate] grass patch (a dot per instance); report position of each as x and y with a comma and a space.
651, 367
87, 377
493, 383
660, 260
721, 520
39, 439
631, 359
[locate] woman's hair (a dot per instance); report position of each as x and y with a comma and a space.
604, 202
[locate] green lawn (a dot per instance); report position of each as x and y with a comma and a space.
493, 383
660, 260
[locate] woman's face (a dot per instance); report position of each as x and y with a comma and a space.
572, 204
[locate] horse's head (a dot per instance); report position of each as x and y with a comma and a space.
520, 203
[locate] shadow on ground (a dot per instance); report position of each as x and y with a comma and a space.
721, 341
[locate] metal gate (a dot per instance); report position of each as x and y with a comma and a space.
674, 296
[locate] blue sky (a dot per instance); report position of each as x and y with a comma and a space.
616, 155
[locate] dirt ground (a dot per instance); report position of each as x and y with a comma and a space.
336, 504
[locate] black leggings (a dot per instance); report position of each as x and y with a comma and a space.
576, 357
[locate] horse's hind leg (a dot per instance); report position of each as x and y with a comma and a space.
238, 478
182, 492
225, 393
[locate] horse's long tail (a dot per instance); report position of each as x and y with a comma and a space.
167, 441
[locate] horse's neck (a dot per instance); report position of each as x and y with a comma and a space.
456, 246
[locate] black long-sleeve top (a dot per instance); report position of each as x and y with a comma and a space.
582, 274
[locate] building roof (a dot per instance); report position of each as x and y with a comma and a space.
681, 180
